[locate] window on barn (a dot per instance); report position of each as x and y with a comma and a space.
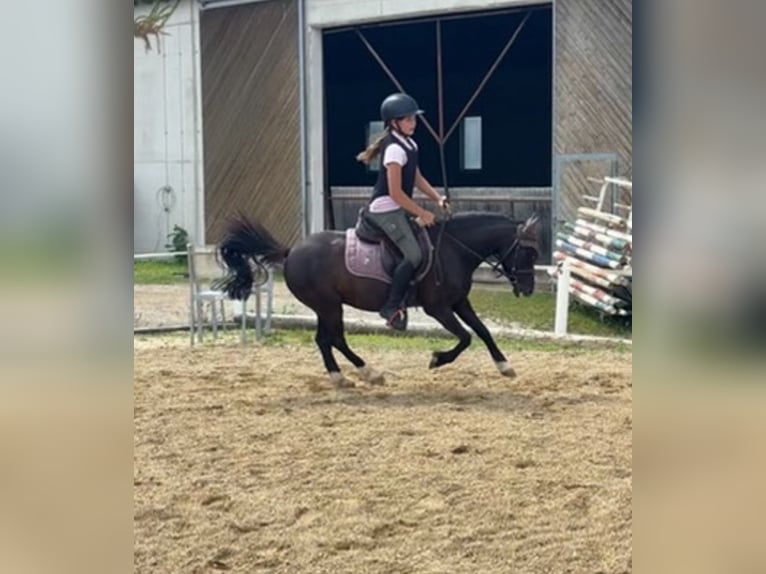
470, 143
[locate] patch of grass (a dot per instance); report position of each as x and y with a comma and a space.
417, 343
362, 343
166, 272
539, 310
392, 341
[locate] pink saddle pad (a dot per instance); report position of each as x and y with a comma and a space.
364, 259
370, 259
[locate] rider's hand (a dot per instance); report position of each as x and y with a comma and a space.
427, 219
445, 206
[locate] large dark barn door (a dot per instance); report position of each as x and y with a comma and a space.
502, 83
251, 116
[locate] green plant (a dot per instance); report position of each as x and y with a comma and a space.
179, 239
153, 23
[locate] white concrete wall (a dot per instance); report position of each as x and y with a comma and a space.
167, 144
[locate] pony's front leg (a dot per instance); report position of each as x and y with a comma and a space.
467, 314
447, 318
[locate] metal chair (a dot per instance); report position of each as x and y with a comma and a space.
204, 268
263, 283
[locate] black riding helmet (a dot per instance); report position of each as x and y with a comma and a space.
398, 106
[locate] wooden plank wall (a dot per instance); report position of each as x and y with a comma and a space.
593, 91
251, 122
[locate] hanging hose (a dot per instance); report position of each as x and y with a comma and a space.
166, 201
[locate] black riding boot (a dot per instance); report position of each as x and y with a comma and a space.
393, 309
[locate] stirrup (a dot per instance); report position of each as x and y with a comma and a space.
397, 320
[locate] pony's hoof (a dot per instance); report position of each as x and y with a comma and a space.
505, 369
340, 381
435, 361
371, 376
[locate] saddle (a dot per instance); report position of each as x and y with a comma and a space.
369, 252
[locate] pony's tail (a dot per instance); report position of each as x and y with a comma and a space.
246, 248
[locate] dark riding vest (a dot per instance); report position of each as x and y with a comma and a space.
408, 171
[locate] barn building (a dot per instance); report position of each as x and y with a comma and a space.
260, 106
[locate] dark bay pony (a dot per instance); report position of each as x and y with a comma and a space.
316, 274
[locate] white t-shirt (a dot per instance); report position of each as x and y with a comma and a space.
394, 154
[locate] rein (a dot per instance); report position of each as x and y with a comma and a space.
437, 259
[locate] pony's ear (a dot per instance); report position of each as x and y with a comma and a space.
530, 226
527, 233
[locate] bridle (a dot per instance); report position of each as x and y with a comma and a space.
514, 272
496, 262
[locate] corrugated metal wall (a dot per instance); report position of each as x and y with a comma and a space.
251, 119
593, 91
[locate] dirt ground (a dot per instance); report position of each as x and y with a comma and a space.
249, 461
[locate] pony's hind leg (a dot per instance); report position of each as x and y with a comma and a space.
333, 322
324, 338
368, 374
467, 314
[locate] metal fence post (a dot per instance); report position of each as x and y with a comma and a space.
562, 299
